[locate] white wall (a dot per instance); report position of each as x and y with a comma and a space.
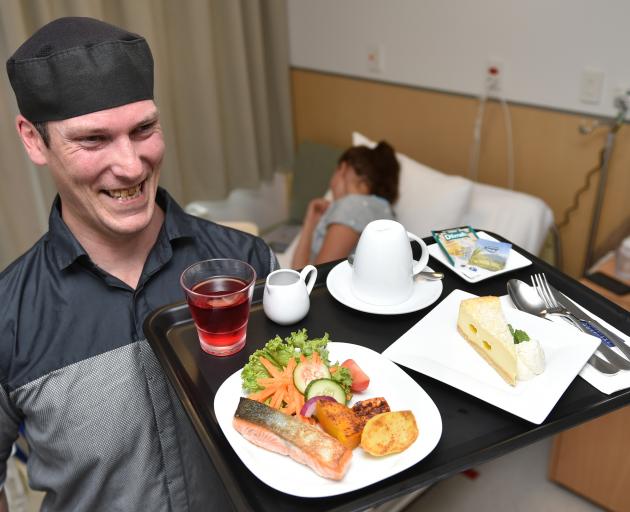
543, 45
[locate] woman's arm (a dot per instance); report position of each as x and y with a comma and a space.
302, 252
338, 243
314, 212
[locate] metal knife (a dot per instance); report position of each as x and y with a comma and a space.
600, 364
593, 326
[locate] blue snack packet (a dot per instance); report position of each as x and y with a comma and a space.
490, 255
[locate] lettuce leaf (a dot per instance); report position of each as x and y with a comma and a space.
278, 352
343, 377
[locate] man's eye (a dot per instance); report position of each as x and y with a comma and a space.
145, 129
92, 139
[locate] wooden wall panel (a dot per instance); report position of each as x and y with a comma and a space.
551, 157
593, 460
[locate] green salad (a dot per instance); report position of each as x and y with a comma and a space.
278, 351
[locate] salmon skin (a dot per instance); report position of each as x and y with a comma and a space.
275, 431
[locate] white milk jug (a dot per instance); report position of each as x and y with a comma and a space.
286, 297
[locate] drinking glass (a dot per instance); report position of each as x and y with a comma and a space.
219, 294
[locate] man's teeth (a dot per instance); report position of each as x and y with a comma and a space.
126, 193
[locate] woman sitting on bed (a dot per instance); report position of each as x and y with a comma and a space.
364, 186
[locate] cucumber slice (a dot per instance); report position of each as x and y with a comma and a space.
307, 371
326, 387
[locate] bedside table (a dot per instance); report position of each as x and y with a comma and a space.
593, 459
607, 266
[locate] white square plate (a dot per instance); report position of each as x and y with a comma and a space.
435, 348
475, 274
386, 380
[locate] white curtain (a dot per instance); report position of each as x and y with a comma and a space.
222, 86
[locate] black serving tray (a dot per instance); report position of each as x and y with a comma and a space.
473, 431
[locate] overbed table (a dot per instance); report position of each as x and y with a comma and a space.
473, 431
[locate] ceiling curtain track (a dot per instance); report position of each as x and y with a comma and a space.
221, 84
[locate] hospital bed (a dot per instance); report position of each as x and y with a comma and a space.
430, 199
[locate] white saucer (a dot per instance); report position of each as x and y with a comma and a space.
338, 282
475, 274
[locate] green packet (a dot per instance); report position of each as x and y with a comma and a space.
457, 244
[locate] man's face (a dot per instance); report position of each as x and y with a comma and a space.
106, 166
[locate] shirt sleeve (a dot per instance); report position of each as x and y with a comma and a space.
9, 424
273, 261
357, 211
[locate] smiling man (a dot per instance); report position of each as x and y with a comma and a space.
104, 427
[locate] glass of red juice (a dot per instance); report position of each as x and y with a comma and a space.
219, 294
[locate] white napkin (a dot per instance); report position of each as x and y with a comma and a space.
603, 382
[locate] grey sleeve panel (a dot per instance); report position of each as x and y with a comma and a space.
9, 424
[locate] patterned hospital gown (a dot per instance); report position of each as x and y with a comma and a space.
355, 211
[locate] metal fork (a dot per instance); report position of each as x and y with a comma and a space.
540, 284
615, 361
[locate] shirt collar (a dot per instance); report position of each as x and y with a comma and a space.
176, 221
66, 249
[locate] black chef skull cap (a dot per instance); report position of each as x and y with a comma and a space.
74, 66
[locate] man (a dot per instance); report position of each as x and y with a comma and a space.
104, 427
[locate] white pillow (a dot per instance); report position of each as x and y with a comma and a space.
428, 198
523, 219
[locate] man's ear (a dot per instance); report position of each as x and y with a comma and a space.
32, 140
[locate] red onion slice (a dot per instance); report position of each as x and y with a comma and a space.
309, 406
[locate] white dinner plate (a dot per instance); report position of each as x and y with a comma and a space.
339, 281
473, 274
386, 380
435, 348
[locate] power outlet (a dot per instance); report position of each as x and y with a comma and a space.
493, 75
591, 86
375, 58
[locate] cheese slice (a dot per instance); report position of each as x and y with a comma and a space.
482, 324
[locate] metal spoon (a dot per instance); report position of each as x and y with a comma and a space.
426, 274
526, 299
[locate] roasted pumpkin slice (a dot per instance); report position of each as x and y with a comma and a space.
340, 422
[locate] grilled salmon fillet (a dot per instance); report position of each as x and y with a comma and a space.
275, 431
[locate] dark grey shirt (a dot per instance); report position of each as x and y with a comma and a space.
104, 427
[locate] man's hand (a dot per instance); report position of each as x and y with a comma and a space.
4, 506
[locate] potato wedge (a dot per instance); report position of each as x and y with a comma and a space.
389, 432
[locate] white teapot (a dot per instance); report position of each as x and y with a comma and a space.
286, 299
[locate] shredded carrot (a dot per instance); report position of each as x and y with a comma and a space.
270, 367
270, 382
262, 395
279, 388
278, 397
